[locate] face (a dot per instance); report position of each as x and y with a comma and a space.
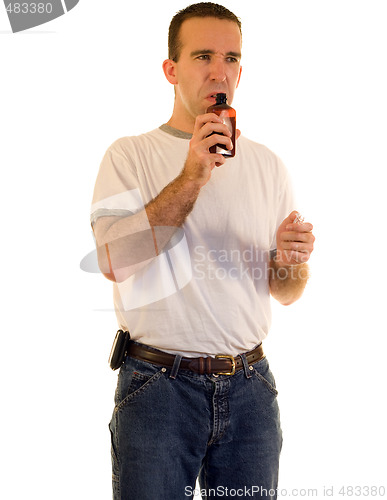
209, 63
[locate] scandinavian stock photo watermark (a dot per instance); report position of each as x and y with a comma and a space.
236, 264
152, 264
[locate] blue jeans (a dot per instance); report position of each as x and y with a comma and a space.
166, 432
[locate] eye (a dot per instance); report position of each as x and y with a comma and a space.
232, 59
204, 57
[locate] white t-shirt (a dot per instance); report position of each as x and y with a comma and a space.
207, 292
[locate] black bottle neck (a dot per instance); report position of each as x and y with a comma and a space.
221, 98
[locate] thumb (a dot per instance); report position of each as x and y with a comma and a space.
291, 218
296, 217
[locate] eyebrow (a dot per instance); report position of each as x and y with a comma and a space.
238, 55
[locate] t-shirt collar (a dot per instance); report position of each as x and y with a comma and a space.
175, 132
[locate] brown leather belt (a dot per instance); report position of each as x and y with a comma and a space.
223, 364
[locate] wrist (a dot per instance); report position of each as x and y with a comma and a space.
285, 272
277, 263
189, 182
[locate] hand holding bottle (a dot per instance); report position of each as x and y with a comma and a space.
209, 130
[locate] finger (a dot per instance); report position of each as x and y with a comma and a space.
306, 237
214, 128
299, 257
292, 217
297, 246
219, 159
291, 257
305, 227
213, 139
303, 243
202, 120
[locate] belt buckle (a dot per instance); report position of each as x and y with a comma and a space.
231, 358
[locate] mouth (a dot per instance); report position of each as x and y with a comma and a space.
212, 97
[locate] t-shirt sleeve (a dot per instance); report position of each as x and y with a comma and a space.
116, 190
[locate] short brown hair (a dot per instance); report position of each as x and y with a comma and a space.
203, 9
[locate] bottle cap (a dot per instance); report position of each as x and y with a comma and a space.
221, 98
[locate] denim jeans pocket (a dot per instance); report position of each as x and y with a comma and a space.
264, 374
133, 383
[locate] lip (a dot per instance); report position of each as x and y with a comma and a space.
211, 97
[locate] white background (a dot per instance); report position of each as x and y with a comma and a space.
313, 89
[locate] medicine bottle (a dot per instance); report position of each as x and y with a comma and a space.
228, 114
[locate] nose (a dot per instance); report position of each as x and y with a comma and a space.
217, 70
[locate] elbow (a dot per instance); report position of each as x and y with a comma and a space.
116, 275
287, 302
284, 301
104, 264
110, 277
285, 297
121, 259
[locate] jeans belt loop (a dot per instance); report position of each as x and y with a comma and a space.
245, 365
175, 366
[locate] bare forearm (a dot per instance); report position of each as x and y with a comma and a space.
172, 206
287, 284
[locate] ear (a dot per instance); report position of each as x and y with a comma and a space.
239, 77
169, 68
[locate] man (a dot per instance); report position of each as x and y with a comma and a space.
195, 244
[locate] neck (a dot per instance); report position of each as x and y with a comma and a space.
181, 119
180, 125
